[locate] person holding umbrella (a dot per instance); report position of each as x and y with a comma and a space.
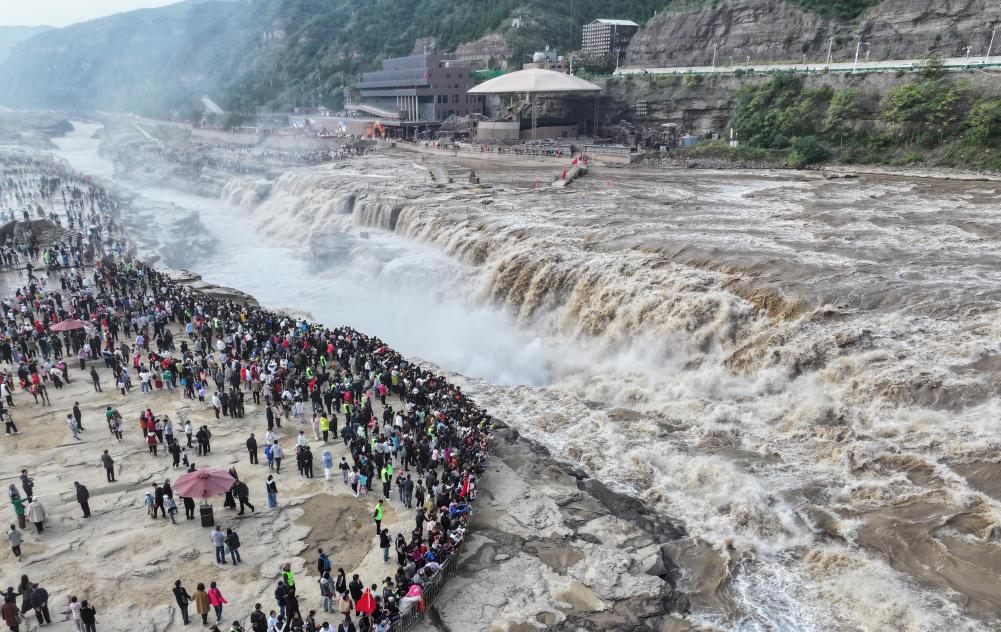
204, 483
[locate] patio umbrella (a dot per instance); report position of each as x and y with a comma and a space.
66, 325
204, 483
366, 604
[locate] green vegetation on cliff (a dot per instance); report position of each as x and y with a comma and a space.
932, 120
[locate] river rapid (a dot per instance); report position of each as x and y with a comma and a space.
804, 371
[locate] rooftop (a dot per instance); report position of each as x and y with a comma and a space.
615, 22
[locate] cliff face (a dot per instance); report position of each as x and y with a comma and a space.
776, 30
759, 29
489, 51
915, 28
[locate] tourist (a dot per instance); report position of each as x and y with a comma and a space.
88, 616
328, 464
377, 515
252, 448
109, 466
218, 539
14, 538
202, 603
326, 591
20, 511
36, 514
183, 599
258, 620
233, 543
75, 607
272, 489
385, 542
276, 454
83, 497
243, 495
40, 602
217, 601
27, 484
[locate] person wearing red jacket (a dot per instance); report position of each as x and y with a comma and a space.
217, 601
11, 615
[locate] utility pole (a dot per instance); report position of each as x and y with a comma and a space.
715, 44
968, 49
858, 49
830, 46
994, 32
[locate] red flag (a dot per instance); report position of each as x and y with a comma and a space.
465, 488
366, 604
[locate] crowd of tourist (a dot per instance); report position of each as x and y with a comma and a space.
143, 328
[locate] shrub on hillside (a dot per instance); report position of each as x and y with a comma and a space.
806, 150
983, 123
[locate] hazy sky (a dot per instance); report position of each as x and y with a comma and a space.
64, 12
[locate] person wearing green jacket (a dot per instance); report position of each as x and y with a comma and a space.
378, 517
19, 511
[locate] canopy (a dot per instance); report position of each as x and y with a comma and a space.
66, 325
204, 483
534, 80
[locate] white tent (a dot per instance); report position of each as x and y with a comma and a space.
533, 81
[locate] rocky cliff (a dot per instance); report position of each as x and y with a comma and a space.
777, 30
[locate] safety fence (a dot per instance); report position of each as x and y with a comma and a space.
429, 594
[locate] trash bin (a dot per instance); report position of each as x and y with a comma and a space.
205, 511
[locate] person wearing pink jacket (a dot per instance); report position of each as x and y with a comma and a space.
217, 601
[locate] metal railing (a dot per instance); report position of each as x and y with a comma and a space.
429, 594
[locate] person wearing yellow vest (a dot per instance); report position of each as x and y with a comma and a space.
324, 427
386, 476
378, 516
288, 577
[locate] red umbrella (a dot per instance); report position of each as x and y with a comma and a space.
366, 604
67, 325
204, 483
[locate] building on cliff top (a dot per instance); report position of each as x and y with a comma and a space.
602, 37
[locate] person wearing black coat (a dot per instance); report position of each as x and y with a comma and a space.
243, 495
281, 592
40, 602
233, 542
88, 616
183, 599
252, 448
291, 604
83, 497
258, 620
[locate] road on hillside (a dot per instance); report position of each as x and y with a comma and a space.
892, 65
